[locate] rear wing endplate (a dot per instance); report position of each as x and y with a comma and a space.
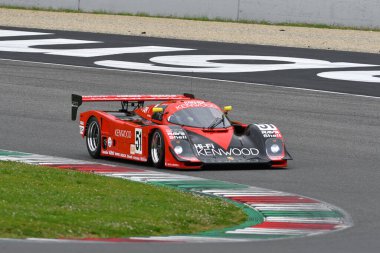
77, 100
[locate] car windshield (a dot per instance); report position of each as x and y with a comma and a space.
204, 117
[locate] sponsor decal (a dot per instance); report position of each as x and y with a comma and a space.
264, 127
176, 134
117, 154
123, 133
131, 157
120, 155
136, 158
81, 127
171, 164
138, 141
209, 150
145, 109
269, 130
132, 149
109, 142
191, 104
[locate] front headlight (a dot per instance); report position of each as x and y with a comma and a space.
178, 150
275, 148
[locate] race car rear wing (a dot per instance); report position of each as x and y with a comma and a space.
77, 100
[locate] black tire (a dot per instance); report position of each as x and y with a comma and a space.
157, 149
93, 137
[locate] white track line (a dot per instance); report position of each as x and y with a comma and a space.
292, 208
305, 220
190, 239
275, 231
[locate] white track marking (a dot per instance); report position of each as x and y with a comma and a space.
189, 239
251, 189
253, 194
12, 33
170, 179
294, 207
96, 52
206, 64
275, 231
49, 240
25, 46
199, 78
149, 178
305, 220
185, 63
246, 192
147, 175
44, 159
367, 76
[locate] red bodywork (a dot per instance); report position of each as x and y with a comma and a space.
128, 137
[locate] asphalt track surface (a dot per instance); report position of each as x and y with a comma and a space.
333, 138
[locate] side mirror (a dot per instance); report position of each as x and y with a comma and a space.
227, 108
157, 109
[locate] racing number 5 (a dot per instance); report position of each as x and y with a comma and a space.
138, 140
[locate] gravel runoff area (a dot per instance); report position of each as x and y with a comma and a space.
334, 39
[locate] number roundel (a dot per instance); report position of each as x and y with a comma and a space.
138, 141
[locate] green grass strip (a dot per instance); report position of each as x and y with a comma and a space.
52, 203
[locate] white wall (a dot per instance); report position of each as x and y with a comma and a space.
226, 9
356, 13
55, 4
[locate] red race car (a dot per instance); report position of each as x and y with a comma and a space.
177, 131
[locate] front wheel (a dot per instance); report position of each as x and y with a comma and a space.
93, 136
157, 149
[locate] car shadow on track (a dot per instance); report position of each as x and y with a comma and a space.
216, 167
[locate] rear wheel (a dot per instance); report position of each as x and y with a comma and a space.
157, 149
93, 136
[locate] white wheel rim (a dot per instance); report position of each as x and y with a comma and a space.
93, 136
156, 147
